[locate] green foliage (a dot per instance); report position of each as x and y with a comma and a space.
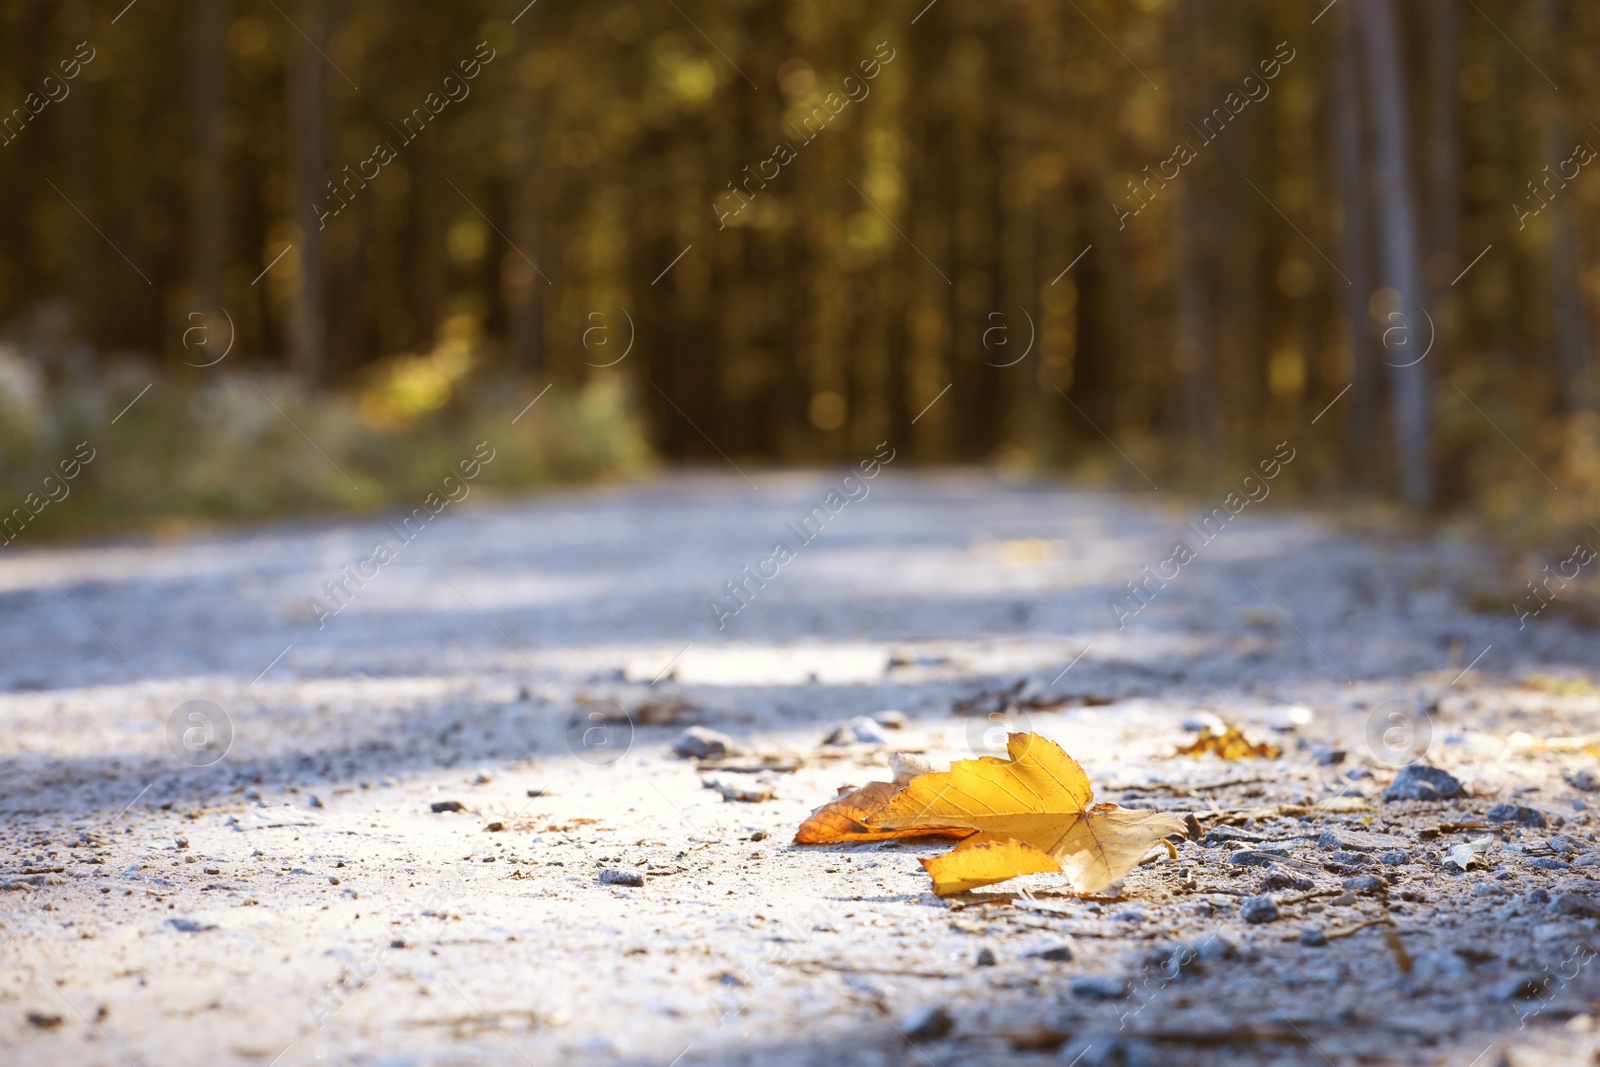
217, 449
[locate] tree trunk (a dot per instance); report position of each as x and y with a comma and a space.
1350, 152
1399, 250
522, 285
306, 73
1570, 333
1444, 141
1195, 337
207, 194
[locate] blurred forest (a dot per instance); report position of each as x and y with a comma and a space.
1144, 241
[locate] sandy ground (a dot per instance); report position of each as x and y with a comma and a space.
269, 883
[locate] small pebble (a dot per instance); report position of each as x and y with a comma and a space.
1548, 863
1366, 883
861, 730
984, 958
1055, 954
1099, 987
1419, 781
698, 742
1521, 987
927, 1024
1259, 910
439, 806
1574, 904
1515, 813
1584, 781
1313, 936
1395, 858
1217, 945
751, 792
1254, 857
612, 876
1278, 880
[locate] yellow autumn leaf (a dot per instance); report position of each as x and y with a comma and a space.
1229, 742
844, 818
980, 861
1037, 797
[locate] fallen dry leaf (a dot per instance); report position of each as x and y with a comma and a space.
1469, 854
844, 818
980, 861
1033, 808
1229, 743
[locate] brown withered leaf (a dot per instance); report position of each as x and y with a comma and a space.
844, 818
1229, 743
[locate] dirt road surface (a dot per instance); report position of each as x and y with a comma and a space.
445, 824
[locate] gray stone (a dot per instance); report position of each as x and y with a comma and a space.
1548, 863
1419, 781
1259, 910
1366, 883
1276, 880
1515, 813
861, 730
612, 876
1327, 757
1257, 857
1584, 781
698, 742
1521, 987
1217, 945
1564, 844
186, 925
1575, 904
984, 958
1055, 954
1099, 987
1395, 857
927, 1024
1313, 936
1343, 839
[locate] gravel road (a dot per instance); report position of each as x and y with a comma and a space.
437, 818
